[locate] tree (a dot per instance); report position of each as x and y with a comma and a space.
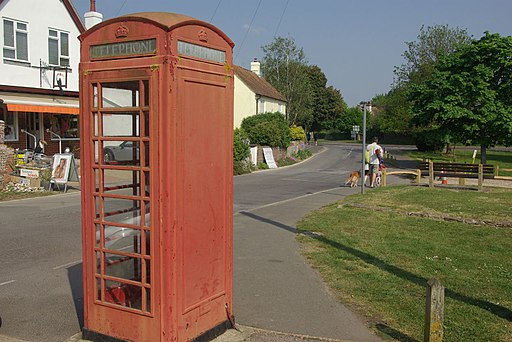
327, 102
351, 117
421, 55
284, 66
470, 94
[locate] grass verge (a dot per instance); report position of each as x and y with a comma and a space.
9, 196
379, 262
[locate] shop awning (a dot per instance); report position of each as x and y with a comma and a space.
40, 103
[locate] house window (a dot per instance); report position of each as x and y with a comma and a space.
11, 125
15, 40
58, 48
66, 126
261, 108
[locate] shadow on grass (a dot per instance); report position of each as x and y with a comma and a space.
497, 310
393, 333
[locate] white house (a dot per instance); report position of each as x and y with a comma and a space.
39, 68
254, 95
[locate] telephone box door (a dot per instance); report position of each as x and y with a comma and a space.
121, 227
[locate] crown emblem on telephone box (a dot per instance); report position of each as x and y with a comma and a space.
122, 31
203, 36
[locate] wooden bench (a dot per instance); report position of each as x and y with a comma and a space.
457, 170
386, 173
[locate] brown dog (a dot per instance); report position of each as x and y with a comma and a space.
353, 179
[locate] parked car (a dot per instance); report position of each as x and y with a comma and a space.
122, 153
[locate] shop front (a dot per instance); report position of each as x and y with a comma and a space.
30, 117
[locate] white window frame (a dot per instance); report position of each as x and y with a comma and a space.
15, 32
15, 123
60, 55
261, 107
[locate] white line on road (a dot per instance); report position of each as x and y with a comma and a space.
286, 200
7, 282
72, 263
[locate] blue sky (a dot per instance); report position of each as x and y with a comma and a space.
356, 43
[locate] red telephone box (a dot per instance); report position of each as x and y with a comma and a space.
156, 119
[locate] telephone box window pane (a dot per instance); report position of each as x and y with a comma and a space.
148, 246
98, 236
97, 152
95, 96
147, 187
97, 206
119, 210
146, 124
120, 266
146, 93
148, 300
98, 288
123, 294
121, 182
98, 263
121, 125
148, 271
96, 124
146, 154
147, 222
120, 94
123, 153
96, 180
122, 239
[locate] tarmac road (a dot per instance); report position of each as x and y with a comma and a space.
275, 289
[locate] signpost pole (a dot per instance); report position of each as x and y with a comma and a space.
363, 149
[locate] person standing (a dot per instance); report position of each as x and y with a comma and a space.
376, 154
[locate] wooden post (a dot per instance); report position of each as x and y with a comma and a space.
384, 177
434, 312
497, 170
418, 176
462, 181
430, 174
480, 177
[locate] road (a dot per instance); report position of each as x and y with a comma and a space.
40, 249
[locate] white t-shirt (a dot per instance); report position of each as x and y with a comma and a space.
372, 148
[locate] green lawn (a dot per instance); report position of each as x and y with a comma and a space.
8, 196
380, 261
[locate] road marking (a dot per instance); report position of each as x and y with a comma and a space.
72, 263
7, 282
285, 201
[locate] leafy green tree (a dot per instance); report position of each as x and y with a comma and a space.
351, 117
470, 94
267, 129
327, 105
284, 65
421, 55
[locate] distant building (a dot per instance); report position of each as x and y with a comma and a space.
254, 95
39, 68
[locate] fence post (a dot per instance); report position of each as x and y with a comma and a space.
497, 170
434, 312
430, 174
418, 176
384, 177
480, 177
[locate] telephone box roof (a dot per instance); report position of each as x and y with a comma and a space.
166, 20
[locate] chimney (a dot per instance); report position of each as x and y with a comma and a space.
255, 67
92, 17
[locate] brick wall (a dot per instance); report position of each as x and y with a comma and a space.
6, 153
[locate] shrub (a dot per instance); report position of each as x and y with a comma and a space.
262, 166
241, 153
297, 133
267, 129
302, 154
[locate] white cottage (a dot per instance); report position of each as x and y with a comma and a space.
39, 68
254, 95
